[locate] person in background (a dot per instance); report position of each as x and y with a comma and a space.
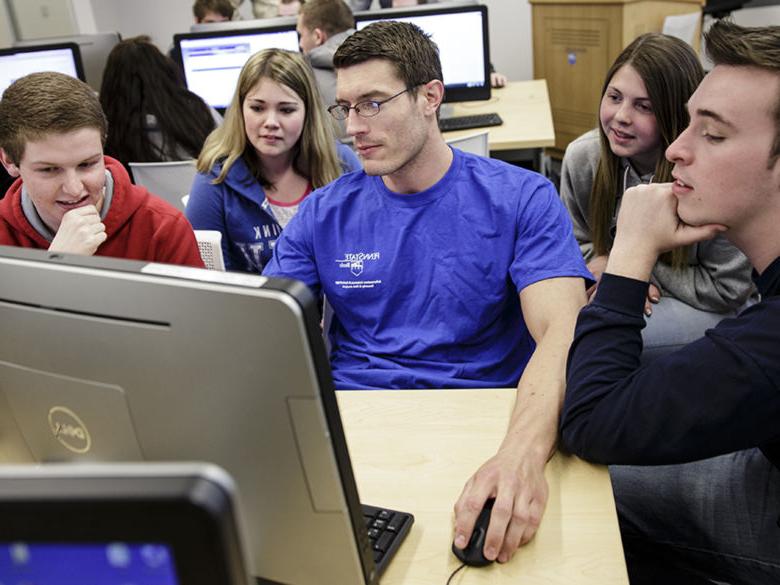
322, 27
69, 197
643, 110
444, 270
274, 148
213, 11
152, 115
693, 437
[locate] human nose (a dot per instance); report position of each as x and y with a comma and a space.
72, 185
679, 152
355, 124
271, 119
623, 114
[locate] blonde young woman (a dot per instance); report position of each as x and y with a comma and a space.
274, 148
642, 111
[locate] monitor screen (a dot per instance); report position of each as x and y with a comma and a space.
20, 61
119, 524
113, 563
94, 49
461, 33
212, 61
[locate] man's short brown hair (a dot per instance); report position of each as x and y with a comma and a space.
330, 16
731, 44
224, 8
40, 104
411, 51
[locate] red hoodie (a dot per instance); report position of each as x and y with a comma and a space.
139, 225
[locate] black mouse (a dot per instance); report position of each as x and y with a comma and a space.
472, 555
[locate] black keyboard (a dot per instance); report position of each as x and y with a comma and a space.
386, 530
472, 121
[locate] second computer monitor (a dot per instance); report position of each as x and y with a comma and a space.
461, 33
212, 61
20, 61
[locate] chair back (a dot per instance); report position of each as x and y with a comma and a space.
476, 143
168, 180
210, 248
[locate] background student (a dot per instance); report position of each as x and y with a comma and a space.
68, 197
152, 115
643, 109
702, 421
273, 149
213, 11
322, 27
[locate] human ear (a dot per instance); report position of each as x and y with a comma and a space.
10, 167
433, 92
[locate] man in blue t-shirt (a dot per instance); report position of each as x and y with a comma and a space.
444, 269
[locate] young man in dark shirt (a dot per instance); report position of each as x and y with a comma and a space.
707, 417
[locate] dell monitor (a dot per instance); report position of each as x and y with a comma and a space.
461, 33
113, 360
94, 50
20, 61
212, 61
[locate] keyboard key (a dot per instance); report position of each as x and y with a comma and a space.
373, 533
385, 515
397, 523
384, 541
380, 524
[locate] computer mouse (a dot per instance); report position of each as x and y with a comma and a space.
472, 555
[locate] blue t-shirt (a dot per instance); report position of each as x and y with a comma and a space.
425, 287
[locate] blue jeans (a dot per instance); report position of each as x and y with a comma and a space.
674, 324
710, 521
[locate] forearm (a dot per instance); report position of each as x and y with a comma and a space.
533, 426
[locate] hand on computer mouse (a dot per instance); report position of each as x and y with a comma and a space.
472, 554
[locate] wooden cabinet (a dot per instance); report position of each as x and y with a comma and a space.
575, 42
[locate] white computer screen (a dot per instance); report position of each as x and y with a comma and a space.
460, 37
16, 63
212, 63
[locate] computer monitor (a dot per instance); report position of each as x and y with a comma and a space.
212, 61
94, 50
114, 360
231, 25
461, 33
145, 524
17, 62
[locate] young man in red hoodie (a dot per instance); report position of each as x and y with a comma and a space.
68, 196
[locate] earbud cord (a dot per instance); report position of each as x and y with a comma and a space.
454, 573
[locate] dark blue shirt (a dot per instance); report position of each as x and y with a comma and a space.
717, 395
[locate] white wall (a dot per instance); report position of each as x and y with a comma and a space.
510, 27
6, 33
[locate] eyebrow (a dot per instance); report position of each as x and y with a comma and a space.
91, 158
253, 99
705, 113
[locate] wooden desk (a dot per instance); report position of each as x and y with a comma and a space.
524, 106
413, 450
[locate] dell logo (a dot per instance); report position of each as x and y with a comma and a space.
69, 430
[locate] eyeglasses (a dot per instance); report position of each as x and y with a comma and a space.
367, 109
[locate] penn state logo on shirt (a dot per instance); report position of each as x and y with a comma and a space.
354, 264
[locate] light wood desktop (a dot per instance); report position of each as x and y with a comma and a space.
413, 450
524, 106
